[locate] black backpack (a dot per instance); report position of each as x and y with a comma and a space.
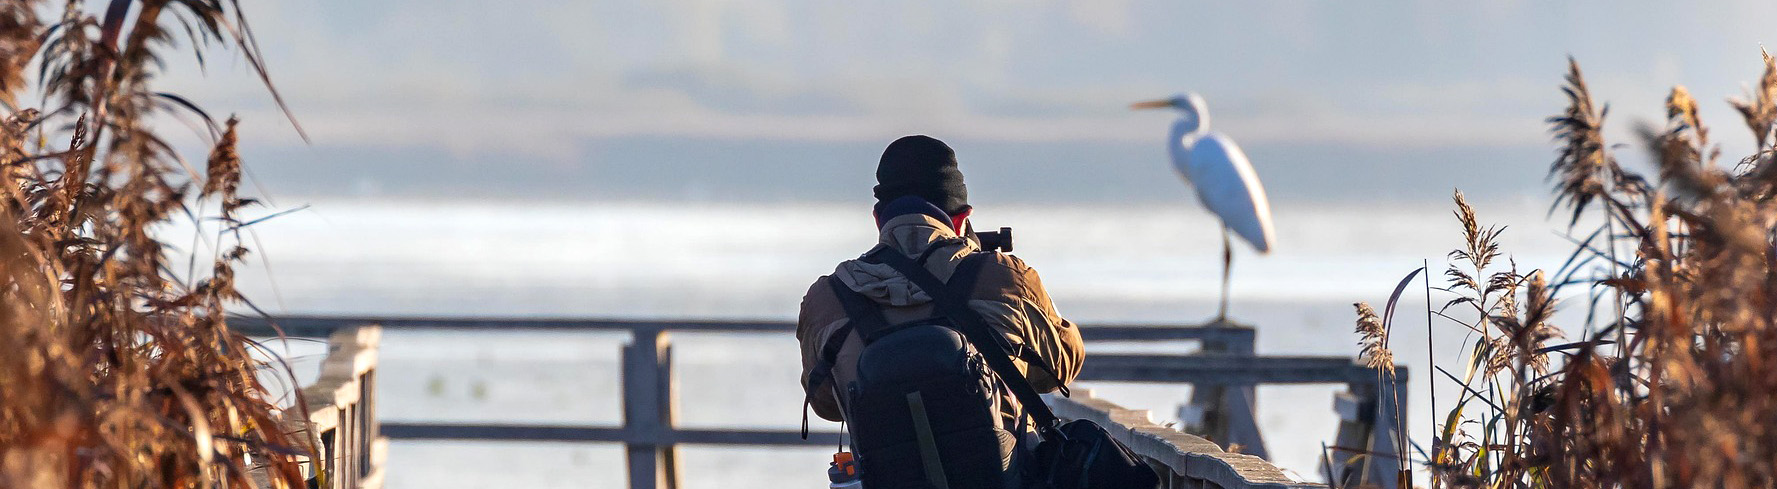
924, 410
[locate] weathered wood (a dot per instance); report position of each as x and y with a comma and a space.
321, 326
1214, 369
602, 434
649, 409
667, 387
342, 421
1225, 376
1240, 421
1228, 414
1185, 460
1365, 450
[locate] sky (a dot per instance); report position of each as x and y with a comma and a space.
792, 100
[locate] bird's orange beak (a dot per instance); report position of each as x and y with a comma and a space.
1151, 104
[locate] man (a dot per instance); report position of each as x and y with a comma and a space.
922, 212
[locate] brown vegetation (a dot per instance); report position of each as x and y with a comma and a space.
117, 371
1674, 382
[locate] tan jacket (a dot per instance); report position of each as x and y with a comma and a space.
1007, 294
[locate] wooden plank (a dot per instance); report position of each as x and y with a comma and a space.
1228, 369
1225, 413
752, 437
1242, 426
668, 390
1369, 426
320, 326
600, 434
317, 326
1100, 333
1190, 461
503, 432
650, 467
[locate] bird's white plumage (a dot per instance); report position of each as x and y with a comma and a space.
1224, 179
1227, 186
1219, 171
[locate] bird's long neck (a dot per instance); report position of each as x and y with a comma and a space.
1187, 129
1193, 120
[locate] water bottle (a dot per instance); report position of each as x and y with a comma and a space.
844, 472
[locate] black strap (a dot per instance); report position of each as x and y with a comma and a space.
823, 370
865, 317
949, 302
860, 316
962, 282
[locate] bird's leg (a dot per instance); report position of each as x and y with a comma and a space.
1227, 264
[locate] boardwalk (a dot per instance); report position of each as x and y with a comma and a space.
1224, 373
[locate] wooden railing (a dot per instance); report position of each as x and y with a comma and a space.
1224, 376
350, 450
1183, 460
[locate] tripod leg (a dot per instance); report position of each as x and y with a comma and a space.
1227, 264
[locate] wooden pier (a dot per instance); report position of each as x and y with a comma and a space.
341, 424
1223, 374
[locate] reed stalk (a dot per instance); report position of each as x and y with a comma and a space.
1671, 384
119, 372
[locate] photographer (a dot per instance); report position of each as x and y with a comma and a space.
922, 212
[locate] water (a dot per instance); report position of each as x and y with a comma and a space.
1101, 264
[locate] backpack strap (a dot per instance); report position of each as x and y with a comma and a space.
822, 373
962, 282
950, 302
859, 316
864, 317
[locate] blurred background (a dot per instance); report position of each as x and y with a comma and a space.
710, 158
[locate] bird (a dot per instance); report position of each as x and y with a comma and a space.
1224, 179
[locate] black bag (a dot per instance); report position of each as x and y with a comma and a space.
1076, 455
924, 410
1081, 455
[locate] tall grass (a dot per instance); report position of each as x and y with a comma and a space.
1674, 381
117, 370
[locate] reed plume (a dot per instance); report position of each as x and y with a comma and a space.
1371, 335
119, 372
1759, 108
1671, 384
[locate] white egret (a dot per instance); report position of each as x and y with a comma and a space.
1224, 179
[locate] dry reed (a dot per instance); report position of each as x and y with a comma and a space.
1672, 384
118, 373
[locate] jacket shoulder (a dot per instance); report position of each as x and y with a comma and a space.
997, 263
819, 285
818, 307
1010, 262
1003, 275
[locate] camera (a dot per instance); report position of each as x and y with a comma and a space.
995, 240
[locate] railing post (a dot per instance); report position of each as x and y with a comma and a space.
1383, 439
341, 420
1227, 413
650, 411
1366, 449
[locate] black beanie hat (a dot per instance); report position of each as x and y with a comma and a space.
924, 167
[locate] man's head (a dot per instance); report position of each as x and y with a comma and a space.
922, 167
